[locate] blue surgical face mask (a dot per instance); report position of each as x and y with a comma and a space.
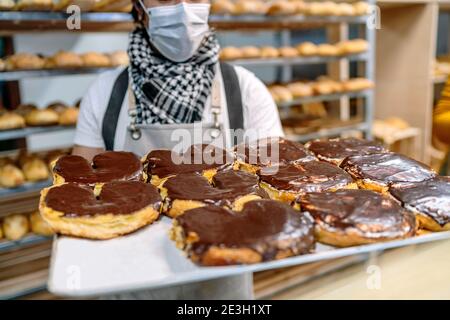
178, 30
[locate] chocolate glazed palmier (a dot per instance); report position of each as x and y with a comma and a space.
429, 200
355, 217
105, 167
378, 171
264, 230
286, 182
270, 151
118, 208
228, 188
205, 159
335, 151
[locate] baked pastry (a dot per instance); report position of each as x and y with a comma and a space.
269, 151
361, 8
335, 151
105, 167
230, 53
35, 170
323, 87
69, 116
249, 7
6, 5
34, 5
345, 9
95, 60
1, 230
64, 59
222, 7
205, 159
307, 49
57, 106
288, 52
42, 117
325, 8
15, 227
300, 89
264, 230
11, 120
23, 61
354, 217
286, 182
250, 52
353, 46
280, 94
269, 52
119, 58
379, 171
282, 8
24, 109
429, 200
11, 176
327, 50
54, 155
357, 84
39, 226
228, 188
118, 208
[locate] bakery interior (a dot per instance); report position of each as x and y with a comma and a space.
330, 74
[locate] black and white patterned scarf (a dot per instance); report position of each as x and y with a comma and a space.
168, 92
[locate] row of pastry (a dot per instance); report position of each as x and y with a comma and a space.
56, 113
322, 86
289, 8
267, 200
17, 171
61, 5
63, 59
305, 49
17, 226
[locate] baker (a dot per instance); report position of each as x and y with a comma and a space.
175, 83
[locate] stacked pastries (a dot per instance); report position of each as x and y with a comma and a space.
237, 208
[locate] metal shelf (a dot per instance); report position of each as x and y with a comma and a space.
297, 60
22, 133
325, 133
107, 21
28, 240
27, 74
326, 97
29, 187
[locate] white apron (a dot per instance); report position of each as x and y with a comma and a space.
141, 139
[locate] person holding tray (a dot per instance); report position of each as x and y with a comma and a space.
175, 84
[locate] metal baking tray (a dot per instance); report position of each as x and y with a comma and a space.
148, 259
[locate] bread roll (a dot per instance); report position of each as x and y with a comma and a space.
24, 61
353, 46
1, 230
39, 226
299, 89
35, 170
35, 5
64, 59
230, 53
282, 8
322, 88
345, 9
243, 7
280, 93
2, 65
269, 52
24, 109
42, 117
57, 106
361, 8
250, 52
288, 52
69, 116
357, 84
11, 120
15, 227
11, 176
119, 58
307, 49
6, 5
95, 60
222, 7
327, 50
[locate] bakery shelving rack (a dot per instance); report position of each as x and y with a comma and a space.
25, 198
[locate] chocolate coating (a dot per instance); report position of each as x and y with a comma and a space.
313, 176
371, 213
339, 149
264, 225
227, 186
106, 167
271, 151
197, 158
431, 198
387, 168
118, 197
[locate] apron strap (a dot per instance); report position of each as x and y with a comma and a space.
234, 98
112, 113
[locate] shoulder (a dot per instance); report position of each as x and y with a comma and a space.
245, 76
105, 80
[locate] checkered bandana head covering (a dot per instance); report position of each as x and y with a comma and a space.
168, 92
